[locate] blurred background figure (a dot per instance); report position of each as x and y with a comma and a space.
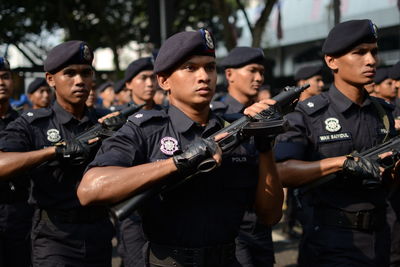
123, 95
311, 75
370, 88
384, 85
106, 93
39, 93
160, 97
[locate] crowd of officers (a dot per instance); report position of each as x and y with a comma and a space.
56, 191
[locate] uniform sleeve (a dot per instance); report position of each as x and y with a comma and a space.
125, 148
293, 143
16, 137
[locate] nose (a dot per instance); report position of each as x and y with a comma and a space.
258, 76
371, 59
203, 75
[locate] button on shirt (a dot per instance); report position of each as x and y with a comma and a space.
206, 210
330, 125
53, 185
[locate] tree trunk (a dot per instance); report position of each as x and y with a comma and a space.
259, 27
224, 12
114, 49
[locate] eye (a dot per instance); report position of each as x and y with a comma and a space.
189, 67
210, 67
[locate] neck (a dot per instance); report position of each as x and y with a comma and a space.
107, 104
149, 103
198, 113
77, 110
241, 98
4, 108
353, 92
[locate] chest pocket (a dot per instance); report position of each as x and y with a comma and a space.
334, 144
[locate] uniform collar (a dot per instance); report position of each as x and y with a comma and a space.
234, 105
183, 123
342, 102
11, 113
64, 116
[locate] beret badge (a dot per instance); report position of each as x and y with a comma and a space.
374, 30
207, 37
86, 54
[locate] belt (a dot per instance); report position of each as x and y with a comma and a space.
78, 215
360, 220
219, 255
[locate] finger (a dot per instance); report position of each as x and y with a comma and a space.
386, 154
220, 136
115, 113
218, 159
93, 140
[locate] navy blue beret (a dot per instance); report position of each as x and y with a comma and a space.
68, 53
394, 72
137, 66
241, 56
381, 75
36, 84
307, 72
104, 86
119, 85
4, 65
181, 46
346, 35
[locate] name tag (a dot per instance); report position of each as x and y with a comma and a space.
334, 137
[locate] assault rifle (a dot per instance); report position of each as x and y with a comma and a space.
388, 162
91, 138
269, 122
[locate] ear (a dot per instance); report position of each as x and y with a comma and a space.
163, 82
331, 62
228, 74
50, 80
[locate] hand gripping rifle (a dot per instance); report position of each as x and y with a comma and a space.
267, 122
91, 138
372, 154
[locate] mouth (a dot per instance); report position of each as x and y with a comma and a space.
80, 92
204, 90
369, 73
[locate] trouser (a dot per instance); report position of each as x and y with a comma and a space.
15, 226
59, 243
329, 245
131, 241
254, 246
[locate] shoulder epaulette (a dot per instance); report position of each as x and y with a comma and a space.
313, 104
383, 103
143, 116
218, 105
35, 114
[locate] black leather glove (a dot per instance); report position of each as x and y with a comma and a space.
115, 122
73, 151
188, 161
364, 169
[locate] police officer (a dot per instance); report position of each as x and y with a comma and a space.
394, 74
63, 232
384, 85
140, 79
123, 95
39, 93
311, 75
15, 213
106, 92
348, 224
244, 72
196, 223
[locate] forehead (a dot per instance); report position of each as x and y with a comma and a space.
2, 72
254, 65
368, 46
145, 72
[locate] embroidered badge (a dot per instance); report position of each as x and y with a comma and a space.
138, 116
332, 125
29, 114
169, 145
310, 104
334, 137
53, 135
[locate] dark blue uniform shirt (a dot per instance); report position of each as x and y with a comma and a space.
329, 125
205, 211
53, 185
9, 117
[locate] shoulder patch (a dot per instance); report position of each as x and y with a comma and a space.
34, 114
218, 106
142, 116
313, 104
384, 104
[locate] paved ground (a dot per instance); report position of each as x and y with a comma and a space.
285, 250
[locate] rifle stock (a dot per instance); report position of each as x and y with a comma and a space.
237, 131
